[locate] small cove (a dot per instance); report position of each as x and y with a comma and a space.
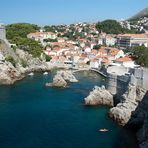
35, 116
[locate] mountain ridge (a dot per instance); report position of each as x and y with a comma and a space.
141, 14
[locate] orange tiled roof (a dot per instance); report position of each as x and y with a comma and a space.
132, 35
55, 58
124, 59
94, 51
105, 61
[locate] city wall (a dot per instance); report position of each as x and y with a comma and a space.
117, 84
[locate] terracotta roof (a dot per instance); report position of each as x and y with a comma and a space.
98, 56
124, 59
62, 58
94, 51
102, 51
55, 58
105, 61
94, 60
132, 35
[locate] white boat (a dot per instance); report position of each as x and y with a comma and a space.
31, 74
45, 73
103, 130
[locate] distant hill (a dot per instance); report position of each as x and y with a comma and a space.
141, 14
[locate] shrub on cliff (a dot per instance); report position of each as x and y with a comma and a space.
11, 60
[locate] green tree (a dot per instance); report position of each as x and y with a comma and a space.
97, 47
17, 33
48, 58
113, 27
141, 55
20, 30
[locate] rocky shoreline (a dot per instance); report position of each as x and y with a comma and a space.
62, 78
24, 64
131, 111
99, 96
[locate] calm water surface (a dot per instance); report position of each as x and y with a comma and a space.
35, 116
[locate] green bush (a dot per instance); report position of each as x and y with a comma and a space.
11, 60
48, 58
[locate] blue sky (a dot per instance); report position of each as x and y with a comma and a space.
50, 12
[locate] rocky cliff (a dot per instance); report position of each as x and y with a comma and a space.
99, 96
131, 111
62, 78
139, 120
16, 63
128, 103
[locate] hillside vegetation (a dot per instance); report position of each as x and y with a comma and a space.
17, 34
113, 27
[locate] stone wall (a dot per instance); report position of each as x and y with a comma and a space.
141, 76
117, 84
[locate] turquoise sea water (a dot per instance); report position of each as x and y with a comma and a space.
35, 116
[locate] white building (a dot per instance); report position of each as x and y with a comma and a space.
119, 54
130, 40
94, 64
40, 36
100, 41
87, 49
109, 41
125, 61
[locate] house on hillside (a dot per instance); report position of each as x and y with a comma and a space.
40, 36
95, 63
125, 61
109, 41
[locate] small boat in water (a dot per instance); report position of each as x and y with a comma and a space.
45, 73
103, 130
31, 74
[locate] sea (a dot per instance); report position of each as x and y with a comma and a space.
35, 116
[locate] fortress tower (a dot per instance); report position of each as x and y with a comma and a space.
2, 32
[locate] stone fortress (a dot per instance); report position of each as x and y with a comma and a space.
120, 77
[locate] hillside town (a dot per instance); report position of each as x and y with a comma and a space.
87, 48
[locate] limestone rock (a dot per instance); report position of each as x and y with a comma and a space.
99, 96
8, 73
123, 111
67, 76
62, 78
58, 81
